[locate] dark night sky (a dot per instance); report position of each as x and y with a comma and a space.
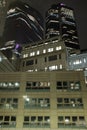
80, 9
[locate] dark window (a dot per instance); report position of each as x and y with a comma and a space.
29, 83
74, 118
23, 63
40, 118
45, 59
15, 100
55, 26
7, 118
59, 100
66, 100
59, 56
64, 83
51, 58
29, 62
26, 118
13, 118
35, 61
1, 118
59, 83
33, 118
60, 118
34, 83
81, 118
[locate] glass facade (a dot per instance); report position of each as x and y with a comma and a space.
60, 20
25, 24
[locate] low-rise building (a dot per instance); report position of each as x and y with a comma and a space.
43, 100
46, 55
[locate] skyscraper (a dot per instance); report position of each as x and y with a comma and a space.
2, 13
60, 20
23, 24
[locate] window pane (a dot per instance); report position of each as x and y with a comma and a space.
40, 118
26, 118
7, 118
59, 100
15, 100
46, 118
33, 118
60, 118
13, 118
59, 83
1, 118
74, 118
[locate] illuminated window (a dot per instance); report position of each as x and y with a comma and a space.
9, 86
36, 70
84, 60
61, 66
44, 51
11, 11
50, 49
54, 67
38, 52
58, 48
0, 58
45, 68
32, 53
25, 55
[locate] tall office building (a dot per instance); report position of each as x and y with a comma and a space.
60, 20
2, 14
23, 25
